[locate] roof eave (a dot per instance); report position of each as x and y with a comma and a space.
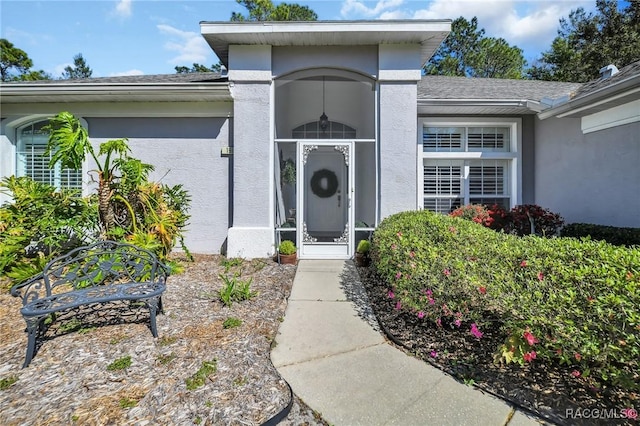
489, 106
16, 93
598, 100
428, 33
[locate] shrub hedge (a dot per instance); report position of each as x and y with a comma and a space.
611, 234
554, 299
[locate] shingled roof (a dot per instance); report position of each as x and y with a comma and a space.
198, 77
441, 87
629, 71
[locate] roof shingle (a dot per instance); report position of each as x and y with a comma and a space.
443, 87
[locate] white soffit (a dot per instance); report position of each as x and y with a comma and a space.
429, 34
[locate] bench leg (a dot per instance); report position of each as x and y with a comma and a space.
153, 309
160, 307
33, 325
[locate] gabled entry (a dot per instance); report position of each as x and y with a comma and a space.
325, 216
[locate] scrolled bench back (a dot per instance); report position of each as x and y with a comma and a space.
101, 263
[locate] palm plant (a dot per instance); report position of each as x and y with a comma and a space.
69, 145
149, 214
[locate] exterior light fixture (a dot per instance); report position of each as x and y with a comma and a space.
324, 120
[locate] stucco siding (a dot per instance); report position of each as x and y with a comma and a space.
363, 59
591, 178
528, 159
183, 151
398, 148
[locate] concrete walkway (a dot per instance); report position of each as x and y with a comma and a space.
329, 350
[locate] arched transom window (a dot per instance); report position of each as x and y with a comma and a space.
333, 130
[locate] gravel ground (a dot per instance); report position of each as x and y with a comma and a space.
68, 381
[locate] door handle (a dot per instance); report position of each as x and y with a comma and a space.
338, 201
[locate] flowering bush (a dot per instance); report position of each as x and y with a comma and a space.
521, 220
532, 219
494, 217
557, 300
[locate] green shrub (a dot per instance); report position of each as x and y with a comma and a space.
611, 234
579, 299
287, 247
363, 246
39, 224
42, 222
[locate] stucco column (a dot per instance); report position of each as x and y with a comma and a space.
398, 121
252, 232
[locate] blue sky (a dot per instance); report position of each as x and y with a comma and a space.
133, 37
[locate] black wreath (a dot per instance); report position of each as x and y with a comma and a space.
332, 183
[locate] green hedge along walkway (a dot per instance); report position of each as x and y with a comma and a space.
335, 360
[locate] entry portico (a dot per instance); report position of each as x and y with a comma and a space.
316, 106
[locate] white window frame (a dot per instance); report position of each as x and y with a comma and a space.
20, 146
514, 155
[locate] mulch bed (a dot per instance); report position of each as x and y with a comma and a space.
547, 391
69, 382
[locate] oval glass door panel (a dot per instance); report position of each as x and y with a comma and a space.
326, 194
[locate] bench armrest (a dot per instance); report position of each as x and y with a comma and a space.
31, 289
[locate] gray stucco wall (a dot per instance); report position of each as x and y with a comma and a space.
398, 163
184, 151
592, 178
528, 159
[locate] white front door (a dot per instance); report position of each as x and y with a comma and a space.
326, 191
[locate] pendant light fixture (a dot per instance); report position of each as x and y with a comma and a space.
324, 120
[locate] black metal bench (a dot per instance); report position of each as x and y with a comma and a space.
100, 273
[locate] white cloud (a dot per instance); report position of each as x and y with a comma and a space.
59, 69
530, 24
124, 73
123, 9
190, 46
359, 9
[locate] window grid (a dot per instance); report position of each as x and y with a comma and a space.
455, 180
334, 130
33, 162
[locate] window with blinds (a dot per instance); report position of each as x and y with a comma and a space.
458, 177
32, 161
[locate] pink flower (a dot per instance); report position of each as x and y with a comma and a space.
530, 356
390, 294
420, 314
447, 272
540, 276
578, 356
474, 330
523, 263
575, 373
431, 301
412, 253
629, 413
428, 292
393, 246
398, 275
482, 290
452, 229
399, 234
439, 322
434, 354
398, 305
531, 340
457, 323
